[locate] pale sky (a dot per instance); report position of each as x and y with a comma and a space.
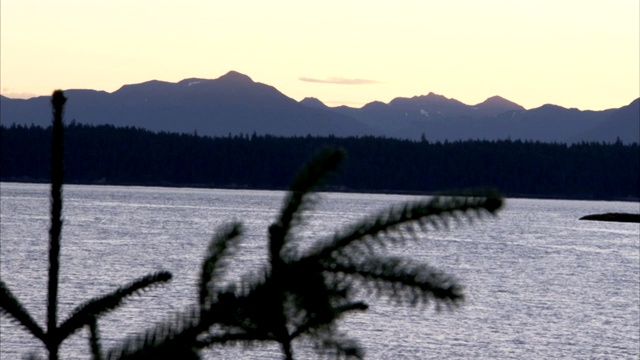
573, 53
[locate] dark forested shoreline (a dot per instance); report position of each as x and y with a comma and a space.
130, 156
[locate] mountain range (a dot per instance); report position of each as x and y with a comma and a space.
235, 104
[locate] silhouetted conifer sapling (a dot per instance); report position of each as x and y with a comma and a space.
298, 296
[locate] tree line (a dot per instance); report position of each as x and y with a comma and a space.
104, 154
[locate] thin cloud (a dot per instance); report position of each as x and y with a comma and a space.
340, 81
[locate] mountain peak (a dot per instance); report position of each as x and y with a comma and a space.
313, 102
424, 101
236, 77
433, 96
498, 102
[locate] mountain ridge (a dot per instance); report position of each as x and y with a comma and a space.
234, 104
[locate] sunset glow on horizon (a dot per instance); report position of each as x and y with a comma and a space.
582, 54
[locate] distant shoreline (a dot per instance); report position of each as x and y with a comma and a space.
614, 217
328, 188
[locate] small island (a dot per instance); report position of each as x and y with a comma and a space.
617, 217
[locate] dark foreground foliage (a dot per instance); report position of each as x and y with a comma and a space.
298, 295
129, 156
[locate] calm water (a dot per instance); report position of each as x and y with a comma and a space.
539, 283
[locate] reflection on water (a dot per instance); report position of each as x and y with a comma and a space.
539, 283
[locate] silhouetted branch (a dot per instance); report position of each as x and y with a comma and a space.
174, 339
94, 339
220, 246
10, 305
400, 278
338, 311
307, 179
85, 313
230, 338
57, 177
435, 212
340, 346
